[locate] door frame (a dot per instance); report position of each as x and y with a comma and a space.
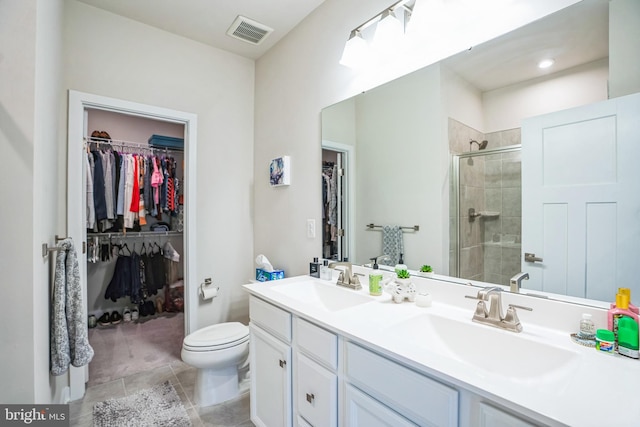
349, 212
76, 196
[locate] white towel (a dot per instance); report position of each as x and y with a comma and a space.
392, 243
69, 335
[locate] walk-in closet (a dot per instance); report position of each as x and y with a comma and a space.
134, 242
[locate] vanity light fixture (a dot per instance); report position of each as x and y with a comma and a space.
356, 51
388, 31
546, 63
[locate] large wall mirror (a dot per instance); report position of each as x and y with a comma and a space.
419, 143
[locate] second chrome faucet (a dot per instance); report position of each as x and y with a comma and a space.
492, 315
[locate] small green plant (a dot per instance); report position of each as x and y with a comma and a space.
426, 269
403, 274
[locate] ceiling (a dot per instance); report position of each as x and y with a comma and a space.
207, 21
582, 28
572, 36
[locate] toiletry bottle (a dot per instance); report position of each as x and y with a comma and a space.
375, 279
314, 268
627, 292
587, 328
620, 310
325, 271
400, 265
628, 337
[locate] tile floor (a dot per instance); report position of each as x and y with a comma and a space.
234, 413
131, 357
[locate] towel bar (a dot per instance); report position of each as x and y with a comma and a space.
414, 228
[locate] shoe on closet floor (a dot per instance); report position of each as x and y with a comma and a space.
105, 319
151, 308
135, 314
126, 314
115, 318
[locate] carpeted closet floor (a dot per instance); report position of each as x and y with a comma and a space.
132, 356
128, 348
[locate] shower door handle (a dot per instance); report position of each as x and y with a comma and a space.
529, 257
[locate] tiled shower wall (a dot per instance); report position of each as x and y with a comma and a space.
489, 245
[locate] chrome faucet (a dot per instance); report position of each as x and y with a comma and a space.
346, 278
516, 281
493, 315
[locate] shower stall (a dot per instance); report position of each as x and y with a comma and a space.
485, 206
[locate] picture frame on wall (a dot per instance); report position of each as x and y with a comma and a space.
280, 171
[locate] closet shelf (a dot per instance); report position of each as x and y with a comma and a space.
137, 234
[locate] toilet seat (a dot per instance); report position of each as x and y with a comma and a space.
217, 337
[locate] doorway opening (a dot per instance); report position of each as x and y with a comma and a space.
337, 219
79, 105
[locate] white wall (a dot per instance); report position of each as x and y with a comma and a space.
624, 42
47, 130
393, 138
29, 104
17, 107
505, 108
120, 58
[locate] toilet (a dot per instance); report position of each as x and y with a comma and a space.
217, 351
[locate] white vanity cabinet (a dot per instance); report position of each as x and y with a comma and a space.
418, 398
270, 361
315, 376
307, 376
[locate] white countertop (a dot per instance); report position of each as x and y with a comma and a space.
592, 389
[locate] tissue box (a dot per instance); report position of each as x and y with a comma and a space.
264, 276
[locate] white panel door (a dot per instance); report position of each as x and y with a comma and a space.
581, 199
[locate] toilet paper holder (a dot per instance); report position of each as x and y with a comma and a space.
206, 292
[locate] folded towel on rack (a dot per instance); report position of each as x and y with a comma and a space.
392, 243
69, 335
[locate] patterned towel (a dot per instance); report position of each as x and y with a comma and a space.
69, 335
392, 243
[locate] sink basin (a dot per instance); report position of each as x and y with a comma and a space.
329, 297
487, 348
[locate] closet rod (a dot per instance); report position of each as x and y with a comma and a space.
136, 234
130, 144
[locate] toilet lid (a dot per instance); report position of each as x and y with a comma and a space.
221, 334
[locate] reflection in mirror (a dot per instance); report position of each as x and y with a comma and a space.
406, 133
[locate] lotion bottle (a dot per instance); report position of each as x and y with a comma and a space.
375, 279
325, 271
620, 310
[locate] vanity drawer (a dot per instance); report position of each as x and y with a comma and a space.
419, 398
269, 317
317, 343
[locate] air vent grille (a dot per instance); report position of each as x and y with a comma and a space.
248, 30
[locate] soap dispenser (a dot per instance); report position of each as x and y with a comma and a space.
619, 311
375, 279
400, 265
314, 268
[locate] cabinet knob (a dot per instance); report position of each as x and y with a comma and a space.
283, 363
310, 397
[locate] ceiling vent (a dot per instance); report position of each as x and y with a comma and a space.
248, 30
